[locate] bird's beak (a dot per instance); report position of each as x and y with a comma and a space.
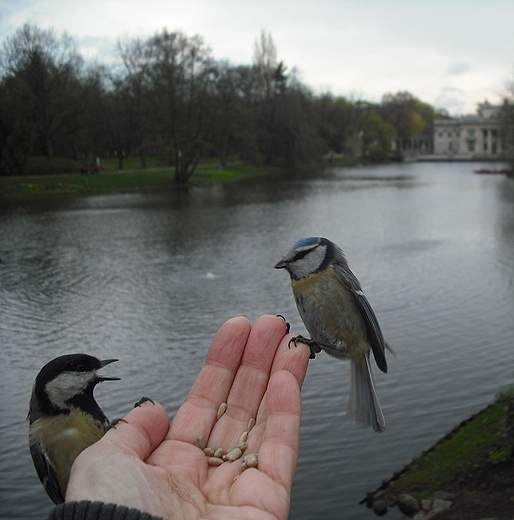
281, 265
103, 363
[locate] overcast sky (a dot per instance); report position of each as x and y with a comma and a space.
452, 54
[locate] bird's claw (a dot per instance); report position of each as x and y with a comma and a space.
143, 400
115, 423
313, 346
288, 327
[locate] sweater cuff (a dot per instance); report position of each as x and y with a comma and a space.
85, 510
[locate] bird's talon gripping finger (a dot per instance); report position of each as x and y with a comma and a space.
288, 326
313, 345
143, 400
114, 424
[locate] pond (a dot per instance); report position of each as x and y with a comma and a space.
149, 278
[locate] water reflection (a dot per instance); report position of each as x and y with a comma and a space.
150, 278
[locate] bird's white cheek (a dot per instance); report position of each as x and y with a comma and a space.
67, 385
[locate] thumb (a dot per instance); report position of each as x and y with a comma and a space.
140, 431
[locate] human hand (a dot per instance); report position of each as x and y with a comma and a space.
148, 464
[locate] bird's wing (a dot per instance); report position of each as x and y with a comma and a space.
376, 339
46, 473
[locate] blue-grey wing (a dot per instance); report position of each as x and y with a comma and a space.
46, 473
375, 336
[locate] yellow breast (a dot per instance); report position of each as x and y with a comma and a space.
64, 437
312, 282
330, 313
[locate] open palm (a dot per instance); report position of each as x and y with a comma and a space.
150, 465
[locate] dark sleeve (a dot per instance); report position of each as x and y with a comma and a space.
86, 510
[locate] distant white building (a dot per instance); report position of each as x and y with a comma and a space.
469, 137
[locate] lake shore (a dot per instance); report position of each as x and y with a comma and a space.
469, 473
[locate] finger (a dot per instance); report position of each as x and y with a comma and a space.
294, 358
253, 375
198, 414
278, 454
140, 432
251, 380
228, 345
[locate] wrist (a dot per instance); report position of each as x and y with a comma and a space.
87, 510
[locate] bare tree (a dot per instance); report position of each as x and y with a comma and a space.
173, 73
265, 63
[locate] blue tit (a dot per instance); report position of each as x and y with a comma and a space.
64, 418
339, 319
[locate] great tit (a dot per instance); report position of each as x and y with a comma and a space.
339, 318
64, 417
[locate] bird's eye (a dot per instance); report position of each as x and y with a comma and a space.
81, 368
302, 254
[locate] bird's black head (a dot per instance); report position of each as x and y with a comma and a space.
68, 381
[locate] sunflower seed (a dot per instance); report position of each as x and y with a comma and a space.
221, 410
250, 461
218, 453
201, 442
234, 454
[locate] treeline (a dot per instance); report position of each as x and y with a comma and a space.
168, 98
507, 123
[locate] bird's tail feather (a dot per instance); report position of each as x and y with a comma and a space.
363, 403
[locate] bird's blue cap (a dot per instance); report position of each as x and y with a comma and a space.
305, 242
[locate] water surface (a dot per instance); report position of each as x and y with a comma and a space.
149, 278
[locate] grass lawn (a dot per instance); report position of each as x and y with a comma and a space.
152, 179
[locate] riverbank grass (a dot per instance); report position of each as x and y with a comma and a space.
123, 181
485, 439
209, 174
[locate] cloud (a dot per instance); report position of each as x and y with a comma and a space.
451, 99
346, 46
458, 68
101, 48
